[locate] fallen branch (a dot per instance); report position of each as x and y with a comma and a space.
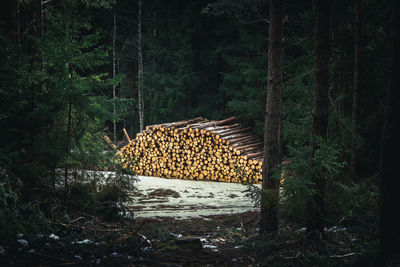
344, 255
292, 258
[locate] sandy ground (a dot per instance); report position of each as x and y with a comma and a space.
183, 199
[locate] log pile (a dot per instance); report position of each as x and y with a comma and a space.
197, 149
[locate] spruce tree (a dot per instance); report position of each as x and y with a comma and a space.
273, 116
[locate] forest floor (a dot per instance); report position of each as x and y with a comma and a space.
218, 240
191, 224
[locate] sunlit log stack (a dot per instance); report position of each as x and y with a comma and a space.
197, 149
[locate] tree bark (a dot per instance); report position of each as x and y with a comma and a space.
38, 18
15, 22
272, 146
69, 115
356, 86
38, 65
389, 223
316, 205
140, 70
67, 143
114, 69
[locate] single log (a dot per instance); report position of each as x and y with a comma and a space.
109, 142
179, 123
243, 139
211, 123
246, 145
235, 136
251, 149
236, 131
126, 135
253, 155
226, 121
222, 129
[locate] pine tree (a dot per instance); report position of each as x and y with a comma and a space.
114, 58
140, 84
356, 86
316, 205
59, 92
273, 117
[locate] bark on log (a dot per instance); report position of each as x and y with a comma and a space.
196, 149
126, 135
109, 142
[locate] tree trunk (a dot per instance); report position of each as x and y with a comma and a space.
114, 67
69, 115
122, 95
38, 18
15, 22
155, 21
140, 70
38, 63
272, 146
356, 86
389, 230
316, 205
67, 139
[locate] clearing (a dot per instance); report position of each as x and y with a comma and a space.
183, 199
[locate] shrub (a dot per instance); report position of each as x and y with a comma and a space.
15, 216
305, 165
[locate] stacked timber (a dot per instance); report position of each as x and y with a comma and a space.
197, 149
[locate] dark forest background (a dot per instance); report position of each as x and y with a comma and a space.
199, 59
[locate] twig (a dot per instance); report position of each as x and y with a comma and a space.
344, 255
241, 223
292, 258
77, 219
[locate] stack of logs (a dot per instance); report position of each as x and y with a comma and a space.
197, 149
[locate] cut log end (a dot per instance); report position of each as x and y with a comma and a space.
197, 149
